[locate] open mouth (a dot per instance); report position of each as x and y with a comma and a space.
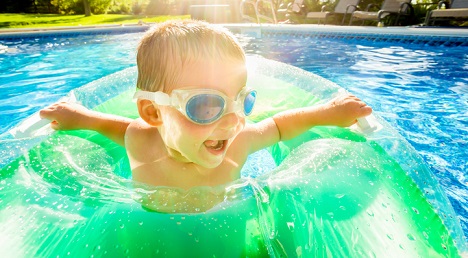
215, 144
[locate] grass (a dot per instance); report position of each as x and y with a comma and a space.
55, 20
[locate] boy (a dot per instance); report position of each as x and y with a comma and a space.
192, 103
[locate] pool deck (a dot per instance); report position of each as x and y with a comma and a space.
251, 28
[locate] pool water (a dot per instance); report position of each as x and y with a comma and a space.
420, 89
35, 72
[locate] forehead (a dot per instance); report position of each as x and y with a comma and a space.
227, 76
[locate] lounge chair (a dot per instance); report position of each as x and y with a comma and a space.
343, 7
456, 9
396, 8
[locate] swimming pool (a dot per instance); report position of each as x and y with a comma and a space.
418, 84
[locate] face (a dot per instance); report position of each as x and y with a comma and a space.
205, 145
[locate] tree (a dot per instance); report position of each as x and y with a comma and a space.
87, 9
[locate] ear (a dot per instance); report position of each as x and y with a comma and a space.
149, 112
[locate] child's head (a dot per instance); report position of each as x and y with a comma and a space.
172, 46
204, 67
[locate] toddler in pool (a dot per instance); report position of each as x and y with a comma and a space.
193, 101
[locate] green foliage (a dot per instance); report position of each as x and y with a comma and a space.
138, 6
315, 5
76, 6
99, 6
121, 8
158, 7
68, 6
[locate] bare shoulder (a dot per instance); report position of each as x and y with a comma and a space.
139, 130
142, 140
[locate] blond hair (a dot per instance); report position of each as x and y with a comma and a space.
170, 47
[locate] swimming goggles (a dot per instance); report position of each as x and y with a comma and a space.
203, 106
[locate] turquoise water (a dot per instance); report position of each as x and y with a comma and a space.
421, 90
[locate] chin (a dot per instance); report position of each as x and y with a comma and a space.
211, 165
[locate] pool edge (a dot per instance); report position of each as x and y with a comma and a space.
298, 28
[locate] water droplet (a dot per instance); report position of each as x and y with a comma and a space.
410, 237
425, 235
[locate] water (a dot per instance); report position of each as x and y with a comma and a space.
421, 90
37, 72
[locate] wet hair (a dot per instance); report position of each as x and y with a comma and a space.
170, 47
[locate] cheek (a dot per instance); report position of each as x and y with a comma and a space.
178, 126
241, 125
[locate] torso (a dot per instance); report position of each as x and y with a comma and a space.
154, 166
188, 187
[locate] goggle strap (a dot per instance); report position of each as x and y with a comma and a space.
158, 97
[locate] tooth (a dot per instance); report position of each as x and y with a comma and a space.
211, 143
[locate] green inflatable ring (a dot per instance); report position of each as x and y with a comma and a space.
332, 192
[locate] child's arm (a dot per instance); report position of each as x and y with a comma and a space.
341, 111
71, 116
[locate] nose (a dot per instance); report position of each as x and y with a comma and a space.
230, 121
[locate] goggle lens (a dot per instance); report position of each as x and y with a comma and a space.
205, 108
249, 102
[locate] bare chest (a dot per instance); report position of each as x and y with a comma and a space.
174, 174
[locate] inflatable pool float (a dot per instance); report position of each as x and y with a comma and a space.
332, 192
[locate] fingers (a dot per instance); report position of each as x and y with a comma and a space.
55, 125
45, 113
366, 110
52, 113
363, 108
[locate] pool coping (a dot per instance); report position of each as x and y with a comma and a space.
407, 31
249, 28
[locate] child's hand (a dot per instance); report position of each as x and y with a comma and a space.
344, 110
66, 116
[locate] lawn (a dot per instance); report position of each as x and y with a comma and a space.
53, 20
